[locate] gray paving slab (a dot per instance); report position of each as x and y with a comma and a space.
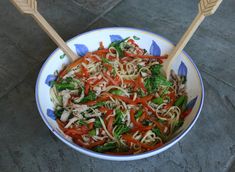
101, 23
97, 7
213, 44
66, 17
232, 167
14, 65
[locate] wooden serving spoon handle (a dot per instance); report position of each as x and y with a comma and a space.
30, 7
206, 8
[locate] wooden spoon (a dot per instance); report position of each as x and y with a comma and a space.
30, 7
206, 8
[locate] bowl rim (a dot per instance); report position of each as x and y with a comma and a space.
120, 157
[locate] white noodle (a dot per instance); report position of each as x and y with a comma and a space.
71, 121
105, 129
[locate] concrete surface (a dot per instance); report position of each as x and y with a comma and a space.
26, 145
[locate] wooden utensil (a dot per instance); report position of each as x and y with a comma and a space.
206, 8
30, 7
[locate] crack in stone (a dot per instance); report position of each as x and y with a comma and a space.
19, 48
102, 14
180, 146
218, 79
229, 102
232, 149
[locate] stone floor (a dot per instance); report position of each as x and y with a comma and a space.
25, 142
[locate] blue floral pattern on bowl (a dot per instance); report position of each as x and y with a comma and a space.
154, 49
182, 71
191, 104
81, 49
50, 79
115, 38
51, 114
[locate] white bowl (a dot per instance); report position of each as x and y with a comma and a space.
89, 41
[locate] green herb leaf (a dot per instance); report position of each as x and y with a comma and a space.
139, 114
106, 147
58, 112
97, 123
160, 120
69, 79
184, 79
121, 129
155, 69
140, 93
52, 83
146, 122
119, 50
159, 134
62, 56
136, 38
118, 42
184, 103
179, 102
117, 92
116, 45
165, 91
91, 96
92, 132
147, 85
81, 122
177, 125
139, 66
159, 80
64, 86
158, 100
118, 117
99, 104
104, 60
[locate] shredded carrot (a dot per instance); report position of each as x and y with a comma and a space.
74, 64
101, 52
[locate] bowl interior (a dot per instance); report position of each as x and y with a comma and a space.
89, 41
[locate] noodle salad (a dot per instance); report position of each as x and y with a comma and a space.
117, 101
